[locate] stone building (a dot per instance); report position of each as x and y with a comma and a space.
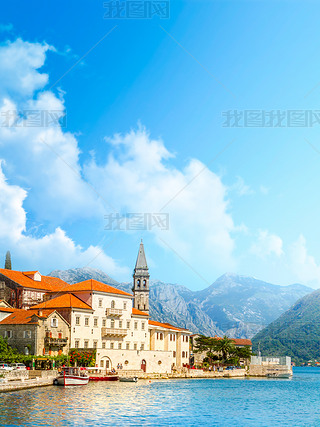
22, 289
108, 319
36, 332
140, 287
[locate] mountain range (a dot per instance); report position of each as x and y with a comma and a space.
238, 306
296, 333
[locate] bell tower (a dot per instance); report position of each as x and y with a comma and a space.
140, 287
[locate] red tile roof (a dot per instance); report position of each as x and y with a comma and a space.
63, 301
23, 317
94, 285
237, 341
165, 325
137, 312
47, 283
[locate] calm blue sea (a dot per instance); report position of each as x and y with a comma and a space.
214, 402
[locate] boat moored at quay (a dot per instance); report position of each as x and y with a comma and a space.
72, 377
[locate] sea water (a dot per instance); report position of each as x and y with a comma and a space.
179, 402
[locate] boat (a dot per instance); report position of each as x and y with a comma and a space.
128, 379
71, 377
97, 374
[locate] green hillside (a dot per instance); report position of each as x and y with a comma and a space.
296, 333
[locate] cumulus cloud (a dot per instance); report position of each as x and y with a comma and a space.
241, 188
267, 244
138, 177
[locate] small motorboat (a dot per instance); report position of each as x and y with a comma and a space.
71, 376
279, 375
128, 379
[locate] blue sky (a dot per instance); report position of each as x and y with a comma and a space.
145, 103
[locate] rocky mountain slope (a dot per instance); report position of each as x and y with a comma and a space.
295, 333
238, 306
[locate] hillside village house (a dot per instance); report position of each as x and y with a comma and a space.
36, 331
102, 317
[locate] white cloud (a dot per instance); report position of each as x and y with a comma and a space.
137, 177
241, 188
303, 265
267, 244
52, 250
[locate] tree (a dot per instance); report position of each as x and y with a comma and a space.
225, 346
7, 264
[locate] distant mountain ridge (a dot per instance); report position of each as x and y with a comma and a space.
238, 306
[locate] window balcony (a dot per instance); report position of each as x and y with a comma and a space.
115, 332
56, 342
114, 312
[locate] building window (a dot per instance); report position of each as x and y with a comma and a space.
124, 305
103, 345
183, 354
100, 302
86, 344
161, 336
54, 322
86, 321
76, 344
120, 323
101, 363
170, 337
128, 325
112, 323
182, 338
111, 345
95, 344
186, 339
174, 337
142, 347
138, 283
135, 346
144, 283
8, 334
59, 335
174, 354
127, 346
113, 304
26, 334
103, 322
186, 354
135, 325
142, 326
119, 346
77, 320
95, 322
157, 335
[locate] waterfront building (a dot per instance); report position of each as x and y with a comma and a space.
36, 331
111, 321
22, 289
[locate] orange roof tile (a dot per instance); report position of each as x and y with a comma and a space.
10, 310
47, 283
63, 301
165, 325
94, 285
23, 317
137, 312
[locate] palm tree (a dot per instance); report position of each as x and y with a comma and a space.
225, 346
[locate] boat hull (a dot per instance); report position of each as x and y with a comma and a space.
105, 378
71, 380
128, 379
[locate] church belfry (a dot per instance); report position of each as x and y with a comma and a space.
140, 287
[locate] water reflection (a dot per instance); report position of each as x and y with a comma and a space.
168, 403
